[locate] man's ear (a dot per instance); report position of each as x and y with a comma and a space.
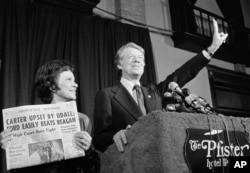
119, 66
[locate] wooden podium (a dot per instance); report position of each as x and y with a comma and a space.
156, 142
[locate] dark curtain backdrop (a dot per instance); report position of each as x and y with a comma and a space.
31, 33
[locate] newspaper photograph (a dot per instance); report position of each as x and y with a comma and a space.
41, 134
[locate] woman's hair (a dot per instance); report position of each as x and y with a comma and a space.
46, 78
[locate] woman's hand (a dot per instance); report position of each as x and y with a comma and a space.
5, 138
83, 140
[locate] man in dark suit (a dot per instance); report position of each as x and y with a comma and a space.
118, 107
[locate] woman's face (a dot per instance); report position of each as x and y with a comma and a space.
67, 87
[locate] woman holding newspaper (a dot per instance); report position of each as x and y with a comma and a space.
55, 83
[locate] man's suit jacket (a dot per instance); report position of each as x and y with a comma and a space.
115, 108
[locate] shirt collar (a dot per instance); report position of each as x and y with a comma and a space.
128, 84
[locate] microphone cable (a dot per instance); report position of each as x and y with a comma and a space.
210, 129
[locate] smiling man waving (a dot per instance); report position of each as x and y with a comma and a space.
118, 107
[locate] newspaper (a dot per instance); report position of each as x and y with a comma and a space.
41, 134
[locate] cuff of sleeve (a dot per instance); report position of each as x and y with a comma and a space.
207, 54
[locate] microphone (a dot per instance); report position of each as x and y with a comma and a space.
199, 103
173, 86
206, 105
168, 95
191, 99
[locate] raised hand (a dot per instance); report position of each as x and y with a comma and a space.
218, 38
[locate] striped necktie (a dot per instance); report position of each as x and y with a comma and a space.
140, 100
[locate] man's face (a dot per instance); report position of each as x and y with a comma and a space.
67, 85
131, 63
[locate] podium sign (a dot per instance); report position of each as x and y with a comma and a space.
208, 151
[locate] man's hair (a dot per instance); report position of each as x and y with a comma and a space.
46, 76
120, 51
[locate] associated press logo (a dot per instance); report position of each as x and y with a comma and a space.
239, 164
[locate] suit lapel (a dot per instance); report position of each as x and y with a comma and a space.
126, 101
